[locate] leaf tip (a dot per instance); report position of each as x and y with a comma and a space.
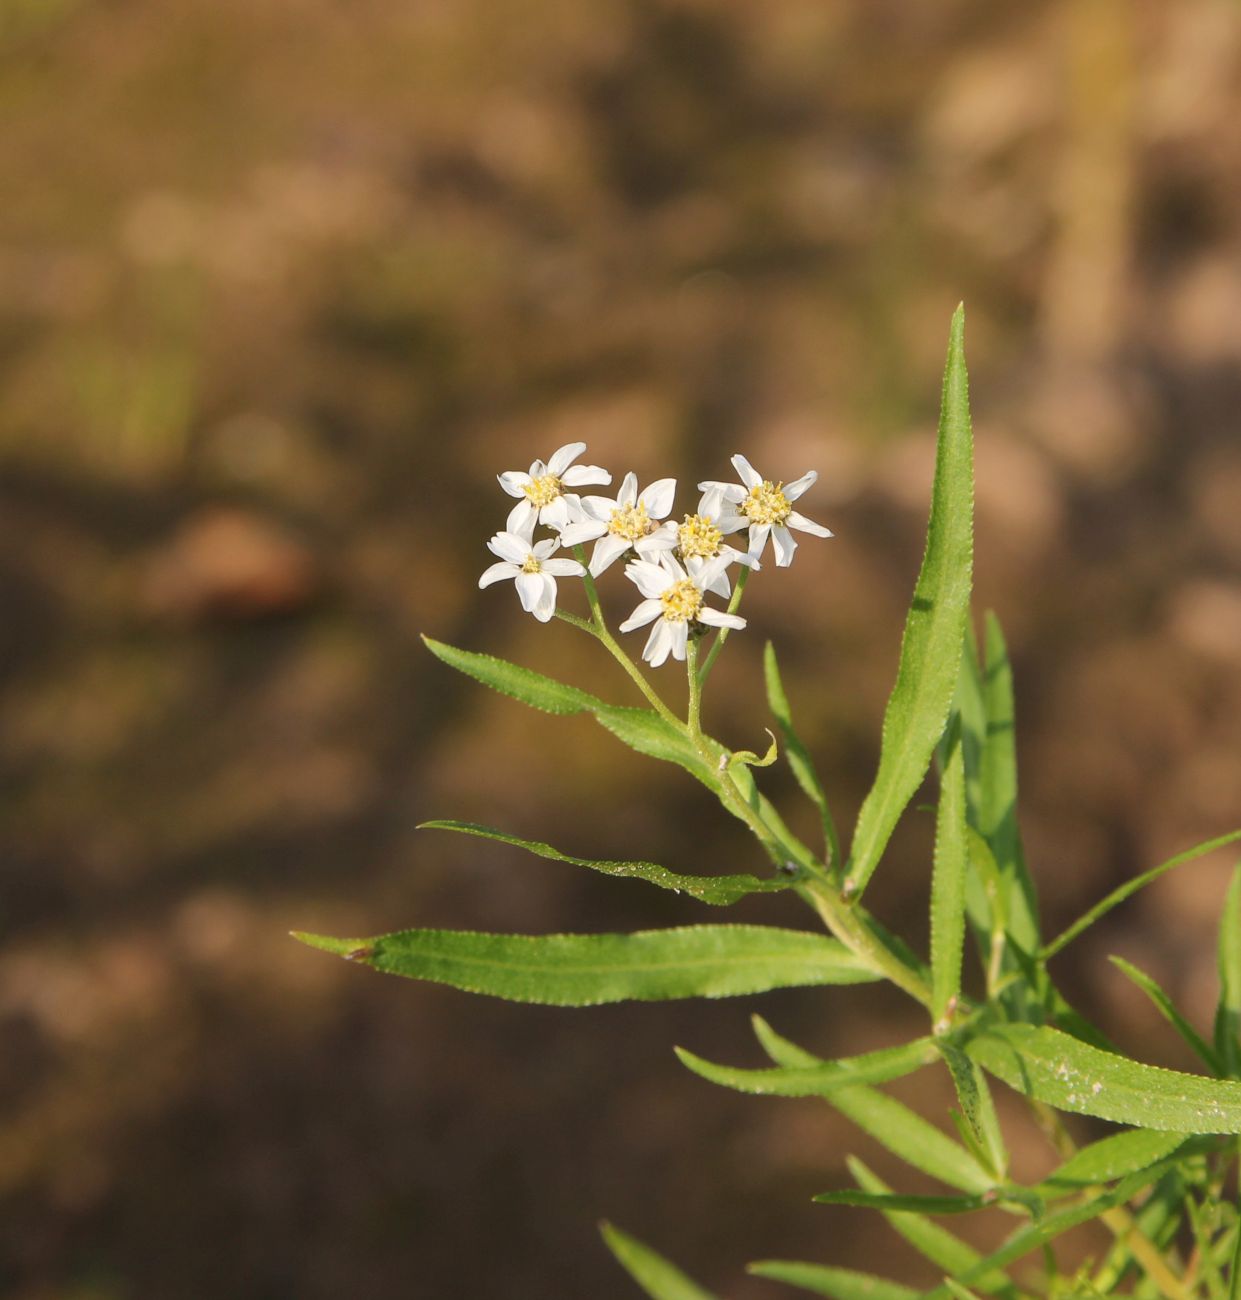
349, 949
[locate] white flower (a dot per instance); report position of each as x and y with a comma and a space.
527, 562
674, 600
630, 520
701, 538
542, 490
766, 507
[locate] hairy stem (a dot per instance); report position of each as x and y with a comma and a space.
717, 645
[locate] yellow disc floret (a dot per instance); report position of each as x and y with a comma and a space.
631, 523
531, 565
766, 504
698, 537
542, 491
681, 601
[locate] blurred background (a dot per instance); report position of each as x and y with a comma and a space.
282, 288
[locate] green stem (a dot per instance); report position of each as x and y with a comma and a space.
718, 644
694, 717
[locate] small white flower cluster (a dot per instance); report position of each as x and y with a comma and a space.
673, 565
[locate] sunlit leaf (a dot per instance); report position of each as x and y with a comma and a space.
842, 1283
977, 1108
934, 631
898, 1201
948, 874
1168, 1010
654, 1274
581, 970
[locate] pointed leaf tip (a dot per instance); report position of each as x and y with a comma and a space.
350, 949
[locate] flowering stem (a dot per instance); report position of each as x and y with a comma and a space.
694, 718
717, 645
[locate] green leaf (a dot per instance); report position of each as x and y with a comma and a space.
1131, 887
896, 1201
1050, 1066
717, 890
998, 793
1168, 1010
948, 886
891, 1123
1228, 1013
977, 1108
583, 970
1111, 1157
798, 757
842, 1283
654, 1274
934, 631
817, 1080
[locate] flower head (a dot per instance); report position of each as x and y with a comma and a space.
674, 600
631, 520
766, 508
529, 564
541, 493
700, 538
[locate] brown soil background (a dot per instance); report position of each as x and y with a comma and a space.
282, 288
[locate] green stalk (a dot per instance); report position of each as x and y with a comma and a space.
718, 644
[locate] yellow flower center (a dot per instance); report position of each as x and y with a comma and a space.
631, 523
766, 504
542, 491
699, 537
531, 565
681, 601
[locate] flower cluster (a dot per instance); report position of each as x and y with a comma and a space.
674, 566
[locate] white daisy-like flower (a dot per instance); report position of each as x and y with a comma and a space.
701, 538
674, 600
631, 520
766, 508
528, 562
542, 491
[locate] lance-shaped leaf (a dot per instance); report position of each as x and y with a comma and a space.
1050, 1066
982, 1125
798, 757
841, 1283
817, 1080
1168, 1010
654, 1274
890, 1122
934, 630
948, 873
1228, 1013
1111, 1157
718, 890
583, 970
890, 1201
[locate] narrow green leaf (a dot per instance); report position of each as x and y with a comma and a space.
717, 890
1050, 1066
1131, 887
1115, 1156
654, 1274
842, 1283
798, 758
583, 970
932, 1240
961, 1292
1228, 1013
897, 1201
934, 631
817, 1080
977, 1107
1168, 1010
998, 809
948, 886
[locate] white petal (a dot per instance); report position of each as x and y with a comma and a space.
728, 522
587, 531
758, 538
607, 551
664, 538
710, 570
657, 644
794, 489
804, 525
642, 615
496, 572
521, 519
723, 491
508, 546
628, 493
680, 637
580, 475
545, 606
529, 589
651, 579
782, 541
573, 506
563, 568
658, 497
719, 585
598, 508
668, 562
556, 514
735, 556
543, 549
514, 482
717, 618
563, 457
746, 472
